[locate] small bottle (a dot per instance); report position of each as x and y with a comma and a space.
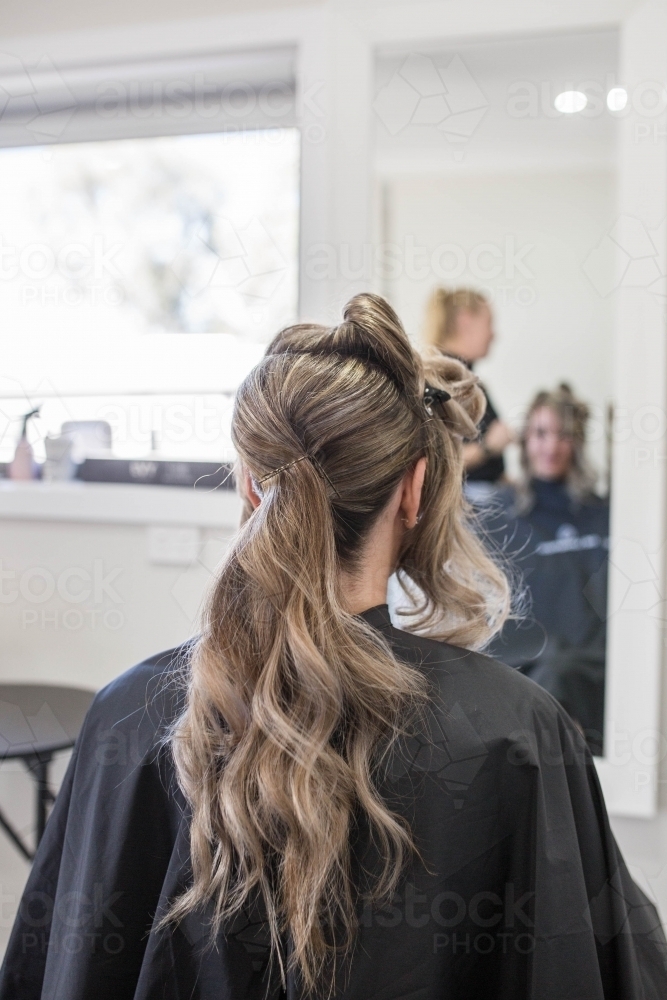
23, 465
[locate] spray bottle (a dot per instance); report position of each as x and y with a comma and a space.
23, 465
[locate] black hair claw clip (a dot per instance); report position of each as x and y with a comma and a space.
433, 395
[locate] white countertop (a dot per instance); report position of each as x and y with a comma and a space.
118, 503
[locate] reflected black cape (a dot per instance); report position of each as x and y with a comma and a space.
558, 550
521, 891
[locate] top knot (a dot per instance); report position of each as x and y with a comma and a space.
371, 332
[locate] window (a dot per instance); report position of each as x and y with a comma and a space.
139, 281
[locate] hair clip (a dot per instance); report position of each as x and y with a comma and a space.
282, 468
316, 465
433, 395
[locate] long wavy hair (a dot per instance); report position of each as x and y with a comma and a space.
292, 701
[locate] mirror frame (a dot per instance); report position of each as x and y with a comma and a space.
634, 746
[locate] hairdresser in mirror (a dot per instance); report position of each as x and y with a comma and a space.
304, 801
558, 537
459, 322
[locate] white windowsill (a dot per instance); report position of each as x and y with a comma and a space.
117, 503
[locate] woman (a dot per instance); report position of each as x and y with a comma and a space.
307, 802
460, 323
561, 538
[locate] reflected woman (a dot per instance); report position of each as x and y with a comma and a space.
305, 802
460, 322
561, 538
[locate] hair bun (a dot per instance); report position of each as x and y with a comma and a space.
468, 403
580, 410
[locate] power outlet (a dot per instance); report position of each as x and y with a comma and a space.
172, 546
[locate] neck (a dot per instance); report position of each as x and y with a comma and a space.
362, 590
457, 348
364, 584
543, 481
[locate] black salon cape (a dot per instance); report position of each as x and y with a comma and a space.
492, 468
560, 548
522, 892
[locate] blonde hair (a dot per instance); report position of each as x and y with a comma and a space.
442, 312
292, 701
573, 414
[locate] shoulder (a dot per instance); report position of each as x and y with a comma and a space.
503, 700
141, 702
595, 500
498, 510
468, 666
591, 515
597, 505
488, 726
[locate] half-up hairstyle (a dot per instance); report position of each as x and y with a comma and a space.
293, 702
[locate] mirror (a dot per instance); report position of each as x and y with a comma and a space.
495, 164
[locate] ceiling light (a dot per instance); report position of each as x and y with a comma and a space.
617, 98
570, 102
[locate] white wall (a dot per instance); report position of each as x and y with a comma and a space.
95, 578
336, 52
552, 324
132, 607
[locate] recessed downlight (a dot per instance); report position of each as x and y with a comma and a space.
570, 102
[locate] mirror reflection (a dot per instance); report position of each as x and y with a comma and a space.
495, 164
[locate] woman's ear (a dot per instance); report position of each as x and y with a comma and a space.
249, 487
412, 493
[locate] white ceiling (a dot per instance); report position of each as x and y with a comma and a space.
441, 110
